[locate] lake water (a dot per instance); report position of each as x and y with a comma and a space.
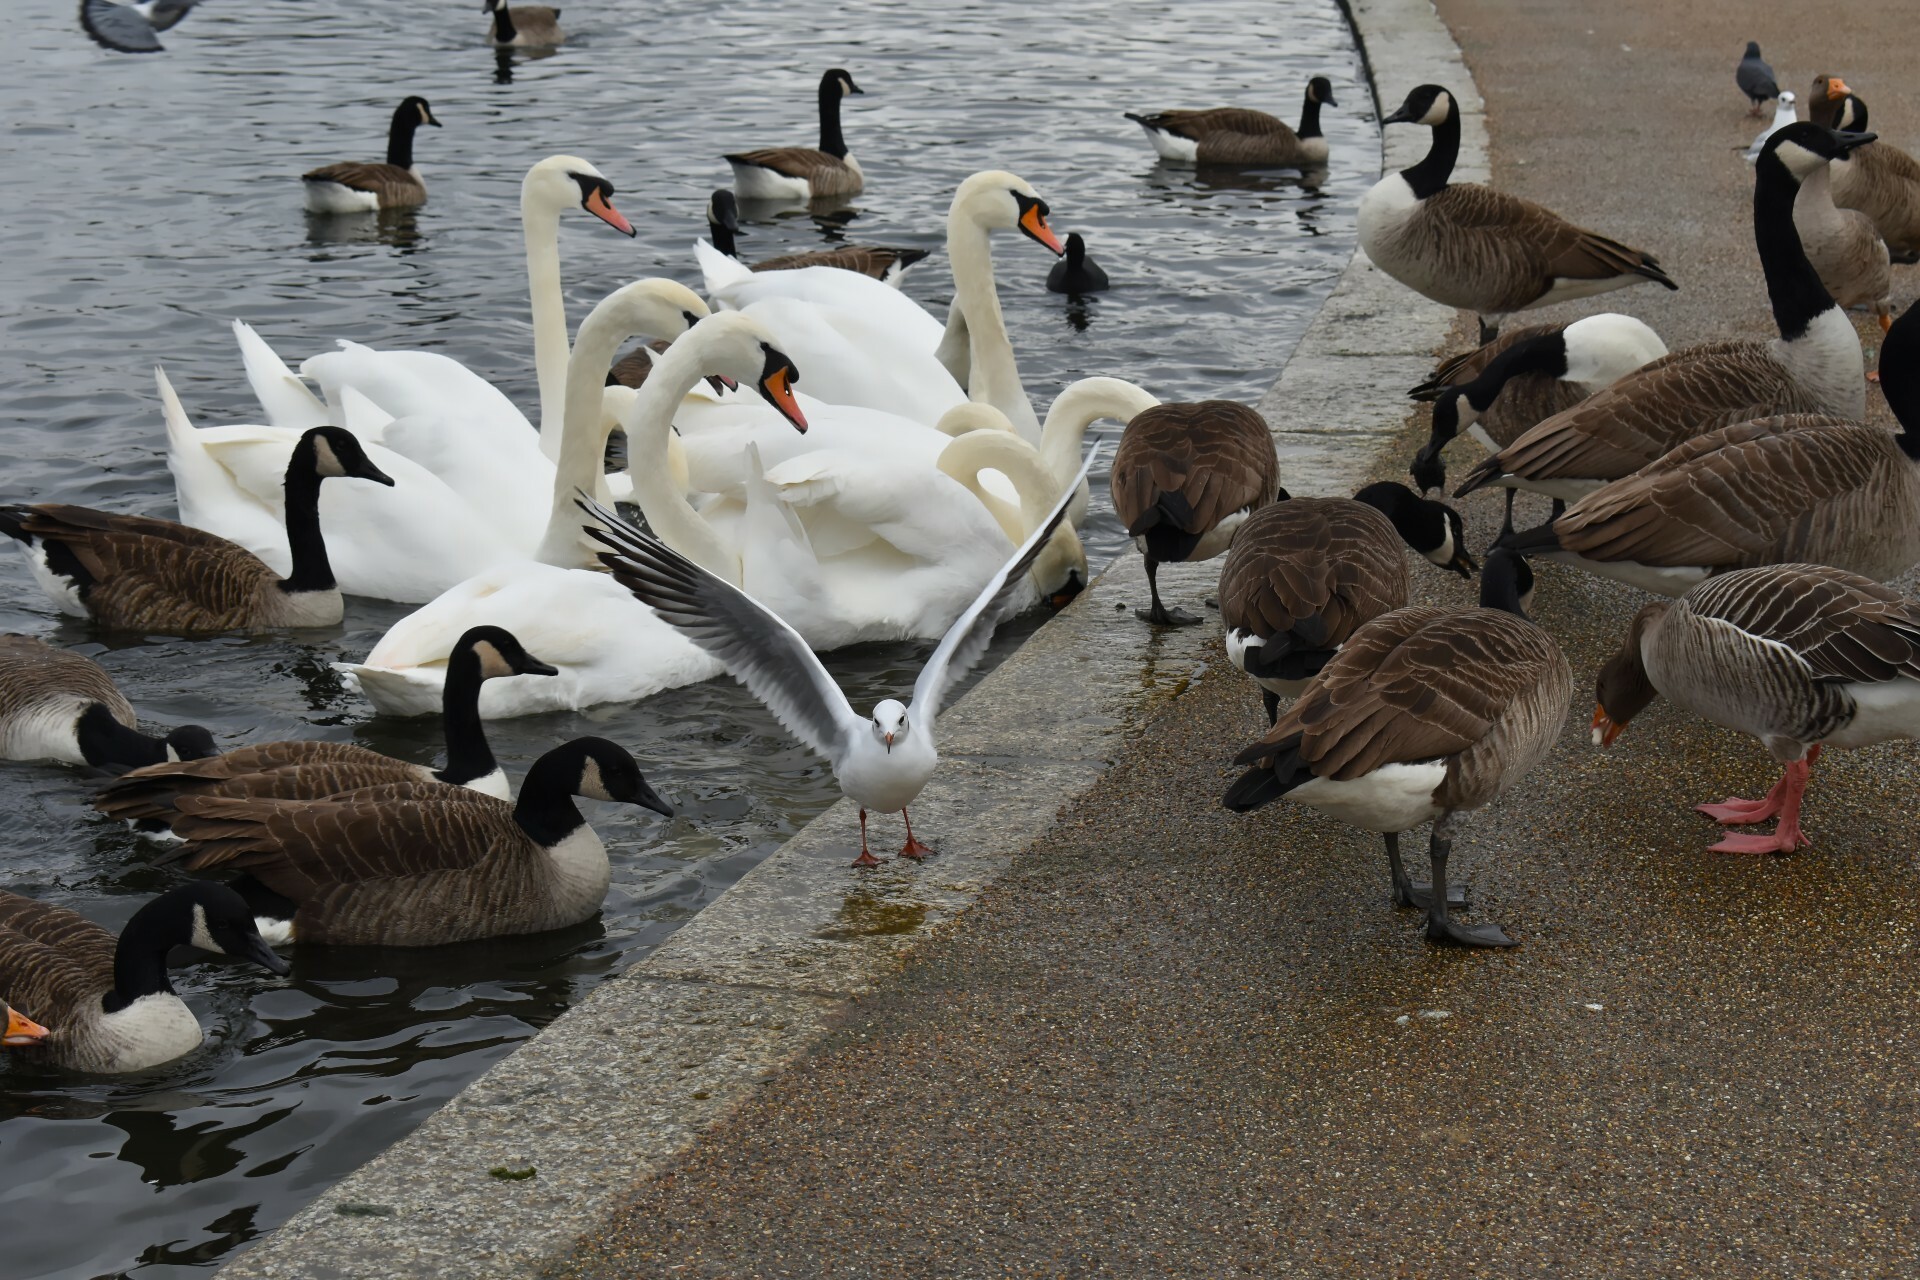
146, 201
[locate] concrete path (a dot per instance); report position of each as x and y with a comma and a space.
1175, 1042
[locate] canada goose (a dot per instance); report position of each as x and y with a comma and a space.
21, 1030
1814, 367
527, 25
1879, 180
137, 573
1800, 656
108, 1001
1844, 247
58, 705
1778, 490
1304, 574
889, 265
1076, 273
805, 173
1755, 79
1423, 714
353, 187
1185, 477
411, 864
310, 770
1238, 136
130, 28
1469, 246
1524, 377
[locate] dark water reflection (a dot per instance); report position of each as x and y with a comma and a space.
145, 202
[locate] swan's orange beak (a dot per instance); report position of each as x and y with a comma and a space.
1034, 223
1836, 89
599, 207
22, 1031
777, 387
1605, 727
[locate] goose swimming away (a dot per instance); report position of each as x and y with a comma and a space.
1755, 79
130, 28
1076, 273
881, 762
1784, 114
355, 187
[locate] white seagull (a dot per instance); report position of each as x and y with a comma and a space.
881, 763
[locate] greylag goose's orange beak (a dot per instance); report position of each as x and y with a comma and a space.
1605, 727
22, 1030
1836, 89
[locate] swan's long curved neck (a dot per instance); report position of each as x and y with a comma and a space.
541, 226
580, 467
1033, 482
1064, 435
994, 375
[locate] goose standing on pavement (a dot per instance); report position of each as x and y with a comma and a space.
1185, 477
1800, 656
884, 264
138, 573
1305, 573
413, 864
881, 762
353, 187
1775, 491
1878, 179
1466, 245
1755, 79
1814, 367
1524, 377
57, 705
107, 1000
1242, 137
805, 173
1424, 714
312, 770
523, 26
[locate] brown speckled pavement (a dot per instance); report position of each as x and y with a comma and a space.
1176, 1042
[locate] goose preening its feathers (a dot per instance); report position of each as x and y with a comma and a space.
881, 762
804, 173
1304, 574
131, 28
1776, 490
1423, 714
1815, 365
138, 573
1185, 477
1800, 656
1469, 246
1877, 178
522, 26
310, 770
419, 864
888, 265
1241, 137
353, 187
107, 1000
58, 705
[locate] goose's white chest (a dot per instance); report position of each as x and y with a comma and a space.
43, 730
151, 1030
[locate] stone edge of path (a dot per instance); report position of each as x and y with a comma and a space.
616, 1088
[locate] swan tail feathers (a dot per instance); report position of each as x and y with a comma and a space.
285, 399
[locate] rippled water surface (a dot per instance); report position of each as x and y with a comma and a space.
146, 201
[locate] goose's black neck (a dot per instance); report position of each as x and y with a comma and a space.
1793, 286
105, 742
1429, 177
1505, 579
140, 958
1310, 116
1900, 379
545, 810
722, 238
469, 755
831, 140
312, 571
406, 118
1546, 354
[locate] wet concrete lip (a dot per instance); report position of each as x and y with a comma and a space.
621, 1084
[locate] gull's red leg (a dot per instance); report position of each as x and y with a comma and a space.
912, 848
865, 859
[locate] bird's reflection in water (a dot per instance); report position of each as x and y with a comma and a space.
395, 228
503, 60
1079, 312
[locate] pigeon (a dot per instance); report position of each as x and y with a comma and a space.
1755, 78
130, 28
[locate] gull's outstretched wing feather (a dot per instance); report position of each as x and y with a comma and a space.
118, 27
970, 634
760, 651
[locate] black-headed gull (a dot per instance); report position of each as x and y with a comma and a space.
881, 762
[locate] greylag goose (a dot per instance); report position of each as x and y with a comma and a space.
1878, 179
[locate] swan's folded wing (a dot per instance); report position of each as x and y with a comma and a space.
967, 639
759, 650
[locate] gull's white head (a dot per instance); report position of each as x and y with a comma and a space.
889, 722
1002, 201
558, 183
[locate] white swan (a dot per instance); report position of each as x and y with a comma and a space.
863, 343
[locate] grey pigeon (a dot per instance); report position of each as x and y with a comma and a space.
131, 28
1755, 78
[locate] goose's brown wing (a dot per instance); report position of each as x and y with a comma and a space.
868, 260
631, 370
31, 669
1197, 463
1316, 567
394, 186
1468, 365
1532, 245
51, 958
152, 793
1844, 626
827, 174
